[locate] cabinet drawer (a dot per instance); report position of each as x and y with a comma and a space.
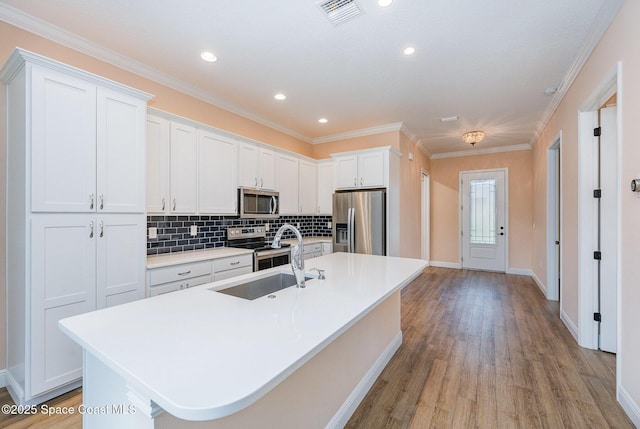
179, 272
231, 263
231, 273
196, 281
313, 247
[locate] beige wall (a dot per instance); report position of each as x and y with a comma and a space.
324, 150
445, 204
618, 44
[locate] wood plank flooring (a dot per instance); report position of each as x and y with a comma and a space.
482, 350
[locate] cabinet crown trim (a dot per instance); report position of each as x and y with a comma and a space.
389, 149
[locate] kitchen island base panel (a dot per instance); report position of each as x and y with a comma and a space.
324, 392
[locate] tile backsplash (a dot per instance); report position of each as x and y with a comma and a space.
174, 231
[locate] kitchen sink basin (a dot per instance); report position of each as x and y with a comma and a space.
260, 287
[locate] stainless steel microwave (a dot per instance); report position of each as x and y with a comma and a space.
258, 204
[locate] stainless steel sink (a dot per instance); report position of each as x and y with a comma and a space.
260, 287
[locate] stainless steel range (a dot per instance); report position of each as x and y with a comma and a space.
254, 238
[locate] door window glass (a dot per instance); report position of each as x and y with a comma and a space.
482, 225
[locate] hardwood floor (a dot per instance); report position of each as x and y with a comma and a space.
479, 350
487, 350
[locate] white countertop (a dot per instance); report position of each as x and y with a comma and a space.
164, 260
202, 355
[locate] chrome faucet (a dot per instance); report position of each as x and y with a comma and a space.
297, 257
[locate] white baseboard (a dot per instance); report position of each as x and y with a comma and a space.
573, 329
520, 271
454, 265
349, 406
630, 407
3, 378
541, 285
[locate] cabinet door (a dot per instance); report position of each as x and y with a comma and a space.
267, 168
120, 152
248, 166
157, 164
308, 188
63, 143
63, 257
183, 149
288, 184
325, 188
217, 174
121, 258
371, 170
346, 172
327, 248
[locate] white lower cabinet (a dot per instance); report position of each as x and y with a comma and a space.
177, 277
79, 263
312, 250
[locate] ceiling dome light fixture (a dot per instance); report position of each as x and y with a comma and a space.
410, 51
323, 120
280, 96
208, 56
384, 3
473, 137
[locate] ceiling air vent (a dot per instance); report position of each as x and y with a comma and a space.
338, 11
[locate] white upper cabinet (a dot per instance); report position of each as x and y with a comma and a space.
287, 174
157, 164
87, 146
307, 192
364, 170
325, 187
183, 170
257, 167
217, 174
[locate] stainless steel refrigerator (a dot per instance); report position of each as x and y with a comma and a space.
359, 222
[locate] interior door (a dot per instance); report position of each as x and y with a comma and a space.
608, 229
484, 229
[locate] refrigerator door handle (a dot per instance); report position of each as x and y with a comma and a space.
352, 218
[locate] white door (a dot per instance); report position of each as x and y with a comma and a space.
121, 256
184, 180
63, 261
120, 152
217, 174
608, 229
63, 142
157, 165
288, 184
307, 197
484, 228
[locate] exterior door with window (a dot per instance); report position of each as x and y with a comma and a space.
484, 228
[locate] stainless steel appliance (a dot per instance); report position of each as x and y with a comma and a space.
254, 238
359, 222
258, 204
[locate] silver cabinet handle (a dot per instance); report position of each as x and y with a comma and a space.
355, 181
261, 183
361, 181
255, 179
300, 208
101, 202
184, 273
91, 229
101, 229
174, 205
234, 263
91, 201
163, 203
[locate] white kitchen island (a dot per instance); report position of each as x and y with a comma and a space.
199, 358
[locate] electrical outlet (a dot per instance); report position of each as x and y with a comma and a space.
266, 227
328, 225
153, 232
194, 230
298, 225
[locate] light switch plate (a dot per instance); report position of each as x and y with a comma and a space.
328, 225
266, 227
194, 230
153, 232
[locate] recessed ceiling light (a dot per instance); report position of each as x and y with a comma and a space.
384, 3
208, 56
280, 96
323, 120
410, 51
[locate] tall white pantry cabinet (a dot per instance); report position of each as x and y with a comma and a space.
75, 213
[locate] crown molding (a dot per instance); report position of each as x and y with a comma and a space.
489, 150
415, 140
63, 37
396, 126
604, 18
